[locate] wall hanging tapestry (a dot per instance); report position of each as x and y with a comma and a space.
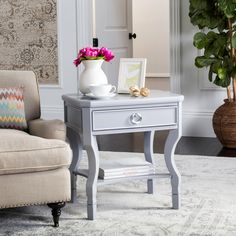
28, 37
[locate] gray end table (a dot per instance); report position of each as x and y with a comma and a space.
86, 118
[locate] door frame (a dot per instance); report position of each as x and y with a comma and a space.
175, 71
84, 9
84, 22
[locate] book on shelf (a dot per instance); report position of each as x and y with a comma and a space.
104, 175
125, 168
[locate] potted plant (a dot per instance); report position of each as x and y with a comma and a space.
216, 20
92, 58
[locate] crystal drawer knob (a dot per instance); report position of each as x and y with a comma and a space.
135, 118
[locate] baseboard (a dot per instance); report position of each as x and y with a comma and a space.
198, 124
52, 112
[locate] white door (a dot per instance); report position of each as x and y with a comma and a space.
113, 23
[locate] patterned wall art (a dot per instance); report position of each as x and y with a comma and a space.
28, 37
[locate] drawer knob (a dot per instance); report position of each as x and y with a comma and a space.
135, 118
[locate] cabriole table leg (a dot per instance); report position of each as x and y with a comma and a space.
148, 152
91, 185
76, 146
169, 150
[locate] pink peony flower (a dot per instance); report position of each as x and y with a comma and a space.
90, 53
108, 55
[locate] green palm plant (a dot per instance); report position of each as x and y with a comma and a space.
216, 20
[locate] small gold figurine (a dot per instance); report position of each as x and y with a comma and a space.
144, 92
134, 91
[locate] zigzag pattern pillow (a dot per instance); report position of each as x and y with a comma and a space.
12, 109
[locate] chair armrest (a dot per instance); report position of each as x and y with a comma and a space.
50, 129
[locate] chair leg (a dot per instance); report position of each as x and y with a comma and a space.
56, 211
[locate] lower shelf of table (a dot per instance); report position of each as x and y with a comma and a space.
84, 173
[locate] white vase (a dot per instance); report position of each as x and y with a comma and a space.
92, 74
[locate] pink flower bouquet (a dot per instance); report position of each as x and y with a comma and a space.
90, 53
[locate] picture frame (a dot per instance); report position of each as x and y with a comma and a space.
131, 72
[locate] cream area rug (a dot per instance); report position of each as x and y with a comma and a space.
208, 205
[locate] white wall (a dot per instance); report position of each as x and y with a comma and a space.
51, 102
201, 97
151, 24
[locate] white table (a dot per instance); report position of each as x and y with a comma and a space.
86, 118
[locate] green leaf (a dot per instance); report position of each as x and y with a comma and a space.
206, 13
211, 35
200, 40
222, 25
199, 4
227, 7
216, 45
203, 61
228, 63
220, 45
216, 65
209, 50
223, 83
222, 73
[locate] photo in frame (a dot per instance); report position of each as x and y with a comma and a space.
131, 72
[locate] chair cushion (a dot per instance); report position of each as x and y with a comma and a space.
12, 110
50, 129
22, 153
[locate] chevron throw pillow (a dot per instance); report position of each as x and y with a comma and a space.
12, 110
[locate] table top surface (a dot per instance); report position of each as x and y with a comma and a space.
155, 97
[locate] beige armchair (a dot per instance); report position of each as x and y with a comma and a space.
33, 163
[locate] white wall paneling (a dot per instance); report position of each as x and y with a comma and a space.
51, 102
197, 123
157, 75
85, 28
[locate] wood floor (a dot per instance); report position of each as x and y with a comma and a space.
186, 145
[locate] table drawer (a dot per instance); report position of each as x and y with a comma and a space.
133, 118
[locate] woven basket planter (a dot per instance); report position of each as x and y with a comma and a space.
224, 124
